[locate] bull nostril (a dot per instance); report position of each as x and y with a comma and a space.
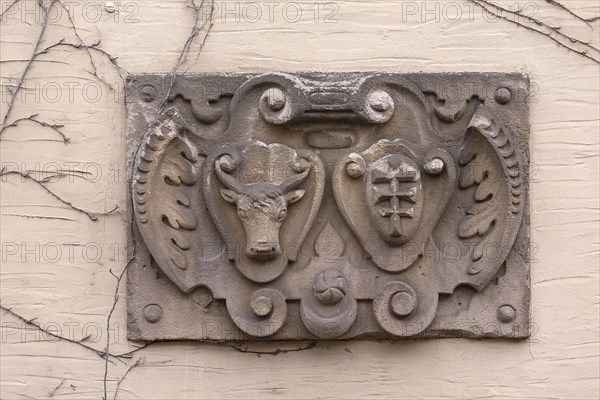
262, 248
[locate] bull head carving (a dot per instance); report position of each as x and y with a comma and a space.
262, 207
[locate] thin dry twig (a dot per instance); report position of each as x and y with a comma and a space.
32, 323
19, 84
210, 23
490, 7
185, 50
554, 29
9, 7
41, 182
119, 278
37, 52
567, 9
173, 75
31, 118
56, 389
140, 362
311, 344
180, 60
137, 363
88, 47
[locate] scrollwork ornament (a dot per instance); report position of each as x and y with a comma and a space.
355, 165
262, 315
274, 106
400, 311
380, 106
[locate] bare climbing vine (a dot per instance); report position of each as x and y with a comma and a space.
244, 349
7, 123
553, 33
567, 9
33, 118
51, 395
42, 183
45, 11
118, 278
140, 361
82, 342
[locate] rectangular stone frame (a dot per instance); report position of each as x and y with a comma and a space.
494, 307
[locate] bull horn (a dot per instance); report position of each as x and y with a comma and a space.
229, 181
293, 181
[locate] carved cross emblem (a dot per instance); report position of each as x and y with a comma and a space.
392, 187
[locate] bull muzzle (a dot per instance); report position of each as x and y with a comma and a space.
263, 250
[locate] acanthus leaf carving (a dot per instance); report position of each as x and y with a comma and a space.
167, 198
493, 171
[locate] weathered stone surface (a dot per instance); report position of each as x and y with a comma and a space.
329, 206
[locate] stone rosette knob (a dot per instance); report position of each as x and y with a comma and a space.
435, 166
275, 98
330, 287
148, 93
153, 313
403, 303
503, 95
262, 306
228, 163
355, 165
380, 101
274, 106
380, 106
506, 313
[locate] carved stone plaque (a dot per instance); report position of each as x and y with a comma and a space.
329, 206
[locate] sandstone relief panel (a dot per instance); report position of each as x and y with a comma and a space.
329, 206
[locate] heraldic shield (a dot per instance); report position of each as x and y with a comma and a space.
328, 206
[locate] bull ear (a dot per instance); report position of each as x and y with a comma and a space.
294, 195
229, 195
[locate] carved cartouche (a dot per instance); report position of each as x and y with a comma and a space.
261, 207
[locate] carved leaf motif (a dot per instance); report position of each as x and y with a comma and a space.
165, 194
478, 220
475, 170
329, 244
451, 111
492, 170
179, 176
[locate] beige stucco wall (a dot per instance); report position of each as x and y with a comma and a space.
56, 260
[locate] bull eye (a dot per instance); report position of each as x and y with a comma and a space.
282, 214
242, 213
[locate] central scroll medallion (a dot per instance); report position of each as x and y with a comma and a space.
328, 206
